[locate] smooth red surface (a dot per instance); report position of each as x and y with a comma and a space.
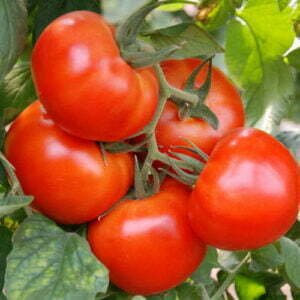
84, 84
246, 196
67, 176
299, 185
148, 245
223, 99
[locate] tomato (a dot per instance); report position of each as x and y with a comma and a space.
246, 196
84, 84
70, 181
299, 185
223, 99
148, 245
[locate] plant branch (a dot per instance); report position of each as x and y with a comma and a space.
128, 31
16, 187
184, 96
229, 279
203, 291
178, 163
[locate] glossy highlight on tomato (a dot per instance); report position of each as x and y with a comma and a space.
85, 85
223, 99
68, 177
246, 196
148, 245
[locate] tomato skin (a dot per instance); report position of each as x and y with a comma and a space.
67, 176
246, 196
223, 99
84, 84
148, 245
299, 185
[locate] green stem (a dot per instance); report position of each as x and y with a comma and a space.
203, 291
184, 96
163, 97
172, 91
229, 279
166, 159
153, 152
14, 182
16, 187
128, 31
150, 129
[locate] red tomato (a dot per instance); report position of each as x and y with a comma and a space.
299, 185
246, 196
67, 176
223, 99
84, 84
148, 245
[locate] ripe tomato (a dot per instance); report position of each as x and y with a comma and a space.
246, 196
223, 99
84, 84
148, 245
67, 176
299, 185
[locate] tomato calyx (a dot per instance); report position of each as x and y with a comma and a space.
190, 101
200, 110
181, 166
177, 165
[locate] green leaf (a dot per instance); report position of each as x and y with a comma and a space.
4, 184
229, 260
192, 40
275, 38
16, 91
291, 254
48, 263
49, 10
265, 258
202, 274
13, 220
160, 19
220, 15
169, 295
291, 139
293, 58
117, 10
283, 3
294, 113
243, 58
13, 20
31, 4
187, 291
172, 7
270, 280
269, 102
255, 63
11, 203
248, 288
5, 248
294, 232
258, 43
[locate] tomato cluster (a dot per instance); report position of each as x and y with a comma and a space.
245, 196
